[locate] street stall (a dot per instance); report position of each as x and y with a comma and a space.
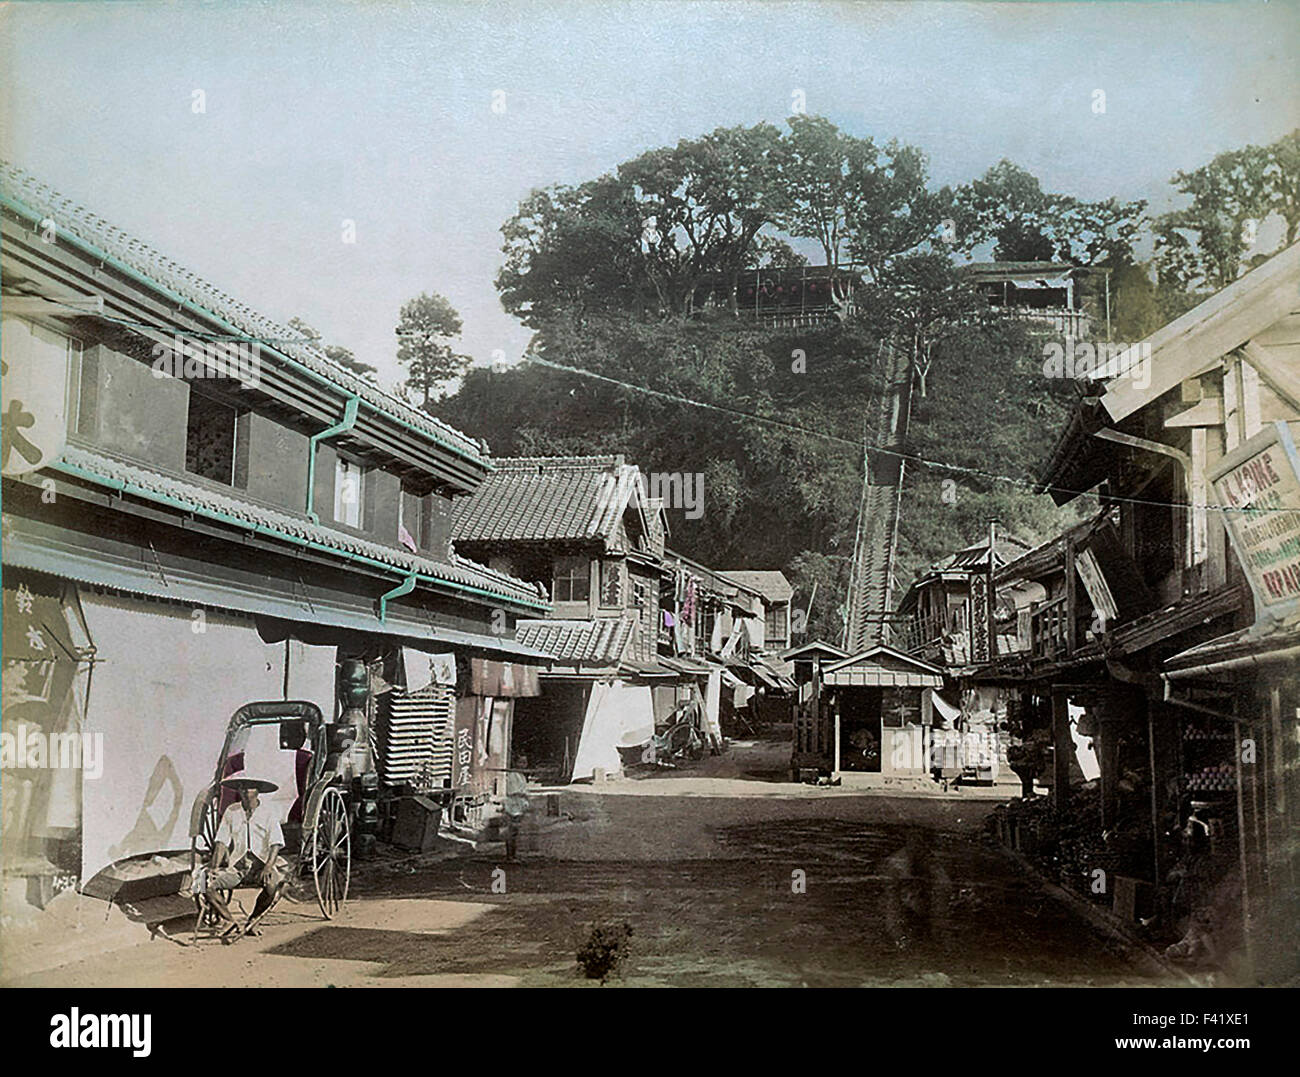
881, 712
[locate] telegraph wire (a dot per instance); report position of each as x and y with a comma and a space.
1030, 484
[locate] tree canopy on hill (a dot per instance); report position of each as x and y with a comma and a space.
629, 282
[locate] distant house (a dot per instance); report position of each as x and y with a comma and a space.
777, 593
788, 297
1045, 293
935, 617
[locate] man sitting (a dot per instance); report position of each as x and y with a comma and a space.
248, 840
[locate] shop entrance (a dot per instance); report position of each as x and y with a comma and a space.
859, 711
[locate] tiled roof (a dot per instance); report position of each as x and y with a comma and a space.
38, 200
769, 583
153, 485
547, 499
999, 268
599, 643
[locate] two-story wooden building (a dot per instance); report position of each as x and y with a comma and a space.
1176, 625
200, 510
583, 529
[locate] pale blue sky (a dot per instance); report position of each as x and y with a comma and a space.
382, 114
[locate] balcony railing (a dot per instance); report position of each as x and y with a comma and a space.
1061, 320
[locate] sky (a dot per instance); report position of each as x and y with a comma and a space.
426, 124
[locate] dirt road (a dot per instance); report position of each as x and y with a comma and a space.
836, 890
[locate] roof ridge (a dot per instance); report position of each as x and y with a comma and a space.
557, 463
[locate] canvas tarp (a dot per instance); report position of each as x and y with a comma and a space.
617, 714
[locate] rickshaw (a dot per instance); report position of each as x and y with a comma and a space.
317, 835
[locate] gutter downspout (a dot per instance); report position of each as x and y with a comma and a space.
345, 424
403, 588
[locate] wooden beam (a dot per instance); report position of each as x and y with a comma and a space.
1283, 380
1197, 341
1207, 412
1063, 745
26, 306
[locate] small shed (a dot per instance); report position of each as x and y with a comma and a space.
880, 711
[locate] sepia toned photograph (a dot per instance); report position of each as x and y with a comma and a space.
603, 495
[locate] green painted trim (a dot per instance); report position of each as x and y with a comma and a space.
262, 529
176, 297
345, 424
403, 588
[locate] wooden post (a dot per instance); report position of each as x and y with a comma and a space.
1071, 598
1063, 746
815, 727
1247, 913
1156, 786
991, 593
1108, 761
836, 771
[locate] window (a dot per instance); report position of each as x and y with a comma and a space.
413, 523
611, 584
210, 439
774, 623
572, 580
348, 492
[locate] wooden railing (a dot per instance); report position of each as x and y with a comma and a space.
1049, 629
1066, 322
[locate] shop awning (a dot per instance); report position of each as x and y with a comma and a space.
634, 668
694, 667
299, 615
1238, 650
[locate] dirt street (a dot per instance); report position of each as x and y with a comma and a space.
830, 890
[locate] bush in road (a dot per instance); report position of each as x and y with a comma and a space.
605, 950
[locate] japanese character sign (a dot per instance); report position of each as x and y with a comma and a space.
33, 396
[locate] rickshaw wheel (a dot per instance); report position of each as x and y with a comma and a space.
202, 844
331, 853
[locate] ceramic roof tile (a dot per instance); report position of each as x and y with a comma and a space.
547, 499
151, 484
600, 642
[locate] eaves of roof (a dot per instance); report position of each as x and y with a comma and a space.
460, 576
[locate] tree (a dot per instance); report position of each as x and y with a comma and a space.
426, 326
1208, 243
920, 300
571, 252
1008, 206
339, 354
703, 203
864, 204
